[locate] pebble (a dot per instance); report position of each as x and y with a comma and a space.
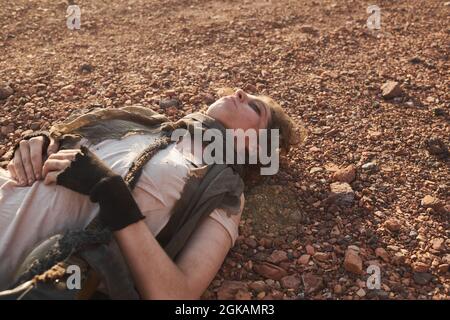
347, 174
258, 286
432, 202
312, 283
392, 225
167, 103
370, 166
277, 256
353, 262
341, 194
310, 249
420, 267
290, 282
361, 293
229, 289
5, 91
422, 278
304, 259
438, 244
391, 89
380, 252
270, 271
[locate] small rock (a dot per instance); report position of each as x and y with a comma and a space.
370, 166
347, 174
399, 259
258, 286
277, 256
438, 244
310, 249
341, 194
5, 130
312, 283
432, 202
352, 262
304, 259
420, 267
443, 268
415, 60
391, 89
380, 252
439, 112
392, 225
5, 91
309, 29
35, 125
167, 103
251, 242
422, 278
290, 282
86, 68
270, 271
437, 147
315, 169
321, 256
360, 293
229, 289
243, 295
208, 99
337, 289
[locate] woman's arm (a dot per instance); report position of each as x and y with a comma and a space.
157, 277
154, 273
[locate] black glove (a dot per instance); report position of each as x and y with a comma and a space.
88, 175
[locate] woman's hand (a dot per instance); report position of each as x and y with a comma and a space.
26, 166
57, 163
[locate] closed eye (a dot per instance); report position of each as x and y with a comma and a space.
254, 106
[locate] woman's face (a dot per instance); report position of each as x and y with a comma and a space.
240, 111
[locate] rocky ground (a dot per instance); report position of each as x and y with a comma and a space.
369, 187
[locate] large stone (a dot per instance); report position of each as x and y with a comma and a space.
290, 282
304, 259
380, 252
438, 244
5, 91
420, 267
391, 89
341, 194
393, 225
422, 278
258, 286
312, 283
229, 289
277, 256
346, 174
432, 202
270, 271
353, 262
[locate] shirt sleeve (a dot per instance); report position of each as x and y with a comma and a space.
229, 222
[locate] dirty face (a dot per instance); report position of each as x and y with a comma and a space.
240, 111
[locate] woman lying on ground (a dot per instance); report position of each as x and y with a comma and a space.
49, 190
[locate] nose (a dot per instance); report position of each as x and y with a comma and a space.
241, 95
